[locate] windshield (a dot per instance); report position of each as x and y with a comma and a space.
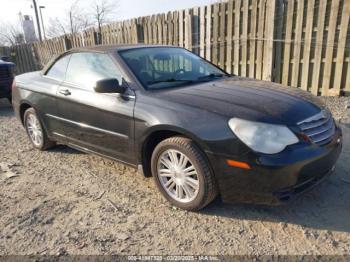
166, 67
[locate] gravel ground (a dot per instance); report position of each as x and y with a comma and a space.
66, 202
340, 107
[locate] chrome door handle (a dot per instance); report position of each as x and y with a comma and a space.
65, 92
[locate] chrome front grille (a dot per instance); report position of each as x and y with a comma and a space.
320, 128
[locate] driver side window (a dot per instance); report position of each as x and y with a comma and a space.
85, 69
59, 68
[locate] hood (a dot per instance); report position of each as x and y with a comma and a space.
4, 63
248, 99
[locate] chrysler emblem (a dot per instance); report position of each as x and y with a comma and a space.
324, 113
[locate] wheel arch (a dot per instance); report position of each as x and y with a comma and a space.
24, 106
157, 134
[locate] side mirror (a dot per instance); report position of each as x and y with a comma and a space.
109, 85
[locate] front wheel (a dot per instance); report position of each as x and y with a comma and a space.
35, 131
182, 174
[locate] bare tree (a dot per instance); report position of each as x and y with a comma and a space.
104, 11
11, 34
55, 28
98, 13
74, 21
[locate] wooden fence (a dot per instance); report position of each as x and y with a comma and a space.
23, 56
303, 43
316, 46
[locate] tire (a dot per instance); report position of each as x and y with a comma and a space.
42, 144
189, 183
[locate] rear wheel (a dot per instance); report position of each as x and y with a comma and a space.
35, 130
182, 174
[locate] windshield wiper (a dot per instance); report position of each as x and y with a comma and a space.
170, 80
211, 76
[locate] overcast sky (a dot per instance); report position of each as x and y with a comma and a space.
127, 8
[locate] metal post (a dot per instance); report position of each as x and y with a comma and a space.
37, 20
42, 21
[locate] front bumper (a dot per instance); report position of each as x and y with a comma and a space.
276, 179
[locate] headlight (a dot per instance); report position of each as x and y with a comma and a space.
261, 137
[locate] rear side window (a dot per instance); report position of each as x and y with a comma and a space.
58, 70
85, 69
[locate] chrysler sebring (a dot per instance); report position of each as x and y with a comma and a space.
199, 131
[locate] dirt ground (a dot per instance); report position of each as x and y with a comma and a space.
66, 202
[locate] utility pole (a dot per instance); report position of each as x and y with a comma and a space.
42, 21
37, 19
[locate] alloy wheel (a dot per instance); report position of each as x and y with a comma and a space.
34, 129
178, 176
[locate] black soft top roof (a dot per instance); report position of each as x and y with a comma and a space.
100, 48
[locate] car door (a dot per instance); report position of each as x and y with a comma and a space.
102, 123
46, 98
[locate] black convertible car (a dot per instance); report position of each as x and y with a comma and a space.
198, 130
6, 78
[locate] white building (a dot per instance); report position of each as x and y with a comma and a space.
29, 29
